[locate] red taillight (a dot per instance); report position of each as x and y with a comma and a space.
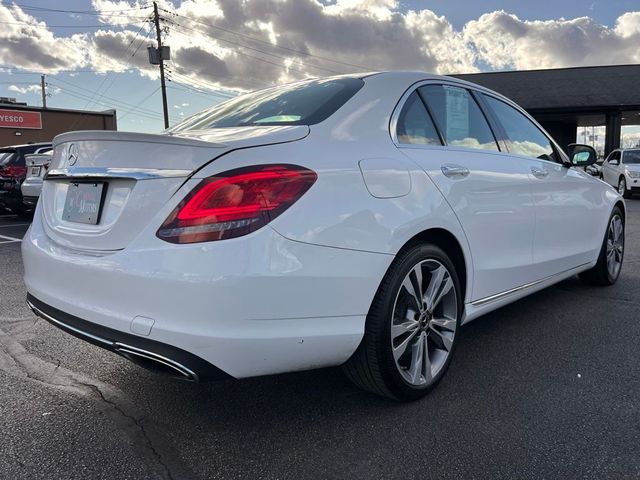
13, 172
235, 203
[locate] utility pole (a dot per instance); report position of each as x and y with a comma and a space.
44, 92
156, 21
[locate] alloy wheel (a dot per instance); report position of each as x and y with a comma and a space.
424, 322
615, 245
622, 186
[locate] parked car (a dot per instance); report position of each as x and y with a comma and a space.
622, 170
13, 171
37, 166
595, 169
355, 220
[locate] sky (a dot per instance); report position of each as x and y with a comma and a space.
94, 52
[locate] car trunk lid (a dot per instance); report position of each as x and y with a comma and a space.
128, 177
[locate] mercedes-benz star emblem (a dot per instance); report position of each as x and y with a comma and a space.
72, 154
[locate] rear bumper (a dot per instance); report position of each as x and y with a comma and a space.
255, 305
31, 189
146, 352
30, 202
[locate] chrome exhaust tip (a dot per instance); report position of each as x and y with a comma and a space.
153, 361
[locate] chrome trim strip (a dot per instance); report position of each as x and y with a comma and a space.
72, 173
49, 318
119, 347
506, 293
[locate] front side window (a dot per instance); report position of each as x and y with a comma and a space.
613, 156
415, 125
631, 157
301, 103
523, 136
458, 117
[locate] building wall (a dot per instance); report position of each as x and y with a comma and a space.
55, 122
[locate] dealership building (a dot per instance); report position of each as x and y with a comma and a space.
20, 123
565, 99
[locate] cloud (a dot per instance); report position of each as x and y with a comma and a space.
27, 43
24, 90
226, 43
503, 41
255, 43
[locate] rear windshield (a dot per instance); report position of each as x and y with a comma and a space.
7, 157
302, 103
632, 156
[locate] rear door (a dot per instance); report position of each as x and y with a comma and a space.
443, 129
567, 200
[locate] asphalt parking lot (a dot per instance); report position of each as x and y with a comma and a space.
548, 387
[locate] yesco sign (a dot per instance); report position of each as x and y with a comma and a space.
20, 119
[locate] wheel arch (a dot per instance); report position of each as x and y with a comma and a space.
622, 207
448, 242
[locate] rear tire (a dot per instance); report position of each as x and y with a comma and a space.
622, 188
407, 347
607, 269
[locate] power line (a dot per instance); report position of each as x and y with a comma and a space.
58, 26
206, 93
113, 75
264, 60
138, 105
83, 12
199, 83
83, 97
25, 71
100, 96
273, 45
257, 50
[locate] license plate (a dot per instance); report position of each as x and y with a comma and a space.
35, 171
83, 203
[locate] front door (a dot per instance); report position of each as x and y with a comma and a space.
565, 200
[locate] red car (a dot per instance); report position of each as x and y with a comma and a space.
13, 171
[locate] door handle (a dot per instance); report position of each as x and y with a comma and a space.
454, 171
539, 172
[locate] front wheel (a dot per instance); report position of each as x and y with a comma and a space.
622, 188
607, 269
411, 329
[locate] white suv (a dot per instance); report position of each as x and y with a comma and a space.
622, 170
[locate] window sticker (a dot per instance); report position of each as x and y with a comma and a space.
457, 112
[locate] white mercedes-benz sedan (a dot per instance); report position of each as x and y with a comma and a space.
357, 220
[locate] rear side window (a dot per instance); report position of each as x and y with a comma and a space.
458, 117
301, 103
415, 125
8, 157
523, 136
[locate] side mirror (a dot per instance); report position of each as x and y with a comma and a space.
581, 155
614, 162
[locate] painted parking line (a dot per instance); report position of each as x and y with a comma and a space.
13, 239
15, 225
